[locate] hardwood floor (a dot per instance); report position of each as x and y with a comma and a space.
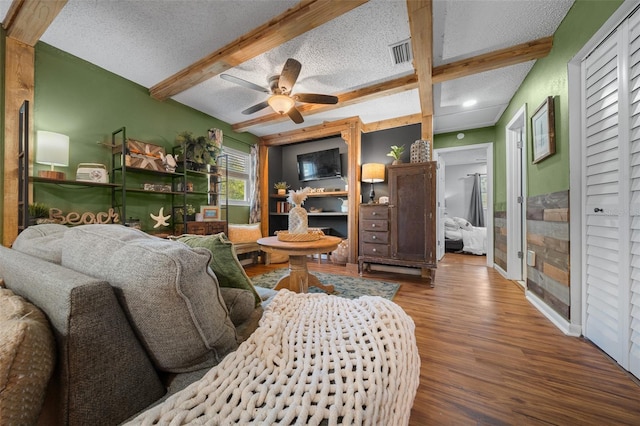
490, 358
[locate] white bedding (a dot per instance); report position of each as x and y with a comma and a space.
474, 238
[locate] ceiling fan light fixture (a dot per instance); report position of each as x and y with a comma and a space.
281, 103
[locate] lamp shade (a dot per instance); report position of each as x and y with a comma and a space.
281, 103
373, 172
52, 149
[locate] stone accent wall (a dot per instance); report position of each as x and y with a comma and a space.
548, 237
500, 239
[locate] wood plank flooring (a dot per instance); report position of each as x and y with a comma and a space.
490, 358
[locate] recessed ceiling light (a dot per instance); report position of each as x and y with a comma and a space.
460, 135
469, 103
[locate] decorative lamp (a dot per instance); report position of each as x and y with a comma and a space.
52, 149
281, 103
372, 173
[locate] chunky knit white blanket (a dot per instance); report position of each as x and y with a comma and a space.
314, 359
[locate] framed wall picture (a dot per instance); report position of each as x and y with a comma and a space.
544, 131
210, 213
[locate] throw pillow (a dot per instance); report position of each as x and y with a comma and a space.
27, 355
167, 290
224, 261
243, 233
240, 304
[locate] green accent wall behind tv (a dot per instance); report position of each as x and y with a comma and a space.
87, 103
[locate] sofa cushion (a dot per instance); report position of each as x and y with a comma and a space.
244, 233
43, 241
27, 354
167, 290
224, 262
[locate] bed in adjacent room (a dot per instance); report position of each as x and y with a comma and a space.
462, 237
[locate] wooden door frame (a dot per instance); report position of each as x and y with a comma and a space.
350, 130
490, 171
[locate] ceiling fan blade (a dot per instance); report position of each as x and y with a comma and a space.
289, 75
295, 115
244, 83
315, 98
255, 108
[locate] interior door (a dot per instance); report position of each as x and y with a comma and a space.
441, 207
522, 217
603, 236
634, 202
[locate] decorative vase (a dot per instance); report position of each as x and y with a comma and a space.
398, 161
282, 191
298, 215
420, 151
344, 207
298, 220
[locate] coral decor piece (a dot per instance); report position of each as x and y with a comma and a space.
298, 215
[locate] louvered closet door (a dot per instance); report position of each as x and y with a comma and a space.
603, 249
611, 233
634, 206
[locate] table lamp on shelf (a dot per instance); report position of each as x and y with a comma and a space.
52, 149
372, 173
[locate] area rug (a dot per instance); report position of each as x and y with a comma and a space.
347, 287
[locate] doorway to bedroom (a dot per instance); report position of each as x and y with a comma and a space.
464, 174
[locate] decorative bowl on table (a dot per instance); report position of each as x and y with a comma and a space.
310, 235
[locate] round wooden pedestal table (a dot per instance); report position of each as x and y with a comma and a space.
299, 279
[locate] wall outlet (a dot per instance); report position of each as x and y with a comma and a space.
531, 258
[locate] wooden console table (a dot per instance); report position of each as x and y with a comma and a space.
299, 279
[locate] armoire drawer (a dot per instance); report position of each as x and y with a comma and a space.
375, 212
375, 225
381, 250
375, 237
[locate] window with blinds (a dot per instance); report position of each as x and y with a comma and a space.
239, 183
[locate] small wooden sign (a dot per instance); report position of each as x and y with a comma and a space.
86, 218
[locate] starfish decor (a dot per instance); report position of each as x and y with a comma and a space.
160, 218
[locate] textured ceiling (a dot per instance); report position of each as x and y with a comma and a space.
148, 41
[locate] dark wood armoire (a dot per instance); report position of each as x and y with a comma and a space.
403, 232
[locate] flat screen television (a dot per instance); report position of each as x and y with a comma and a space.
319, 165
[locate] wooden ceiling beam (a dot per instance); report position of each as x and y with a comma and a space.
392, 123
524, 52
353, 97
26, 21
309, 133
421, 27
513, 55
305, 16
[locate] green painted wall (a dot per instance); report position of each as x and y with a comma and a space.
548, 77
471, 137
87, 103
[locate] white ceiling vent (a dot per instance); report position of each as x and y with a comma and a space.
401, 52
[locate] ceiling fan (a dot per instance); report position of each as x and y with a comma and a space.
280, 86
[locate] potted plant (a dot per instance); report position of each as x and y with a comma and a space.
38, 213
396, 153
179, 213
200, 151
281, 187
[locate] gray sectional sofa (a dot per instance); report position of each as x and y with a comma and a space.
135, 318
